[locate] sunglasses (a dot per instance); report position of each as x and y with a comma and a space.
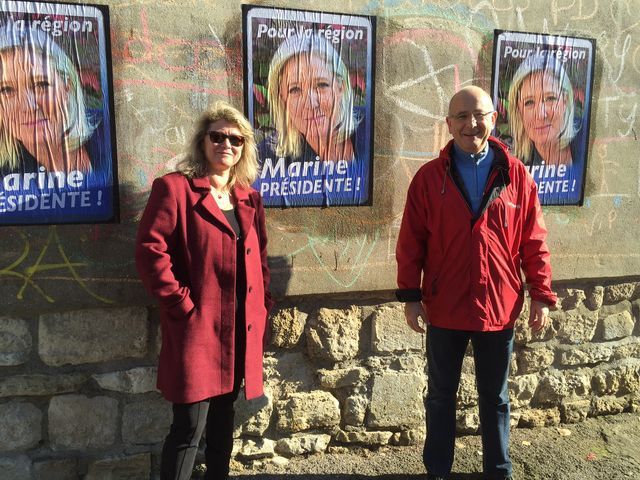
219, 137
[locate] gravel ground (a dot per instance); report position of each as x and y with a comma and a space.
603, 448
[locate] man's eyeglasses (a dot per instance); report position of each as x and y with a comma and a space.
466, 116
219, 137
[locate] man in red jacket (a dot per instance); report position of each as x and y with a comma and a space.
472, 222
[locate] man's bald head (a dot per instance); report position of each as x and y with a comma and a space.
471, 119
471, 92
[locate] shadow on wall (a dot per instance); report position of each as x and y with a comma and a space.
280, 268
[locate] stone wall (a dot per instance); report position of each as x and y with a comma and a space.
77, 389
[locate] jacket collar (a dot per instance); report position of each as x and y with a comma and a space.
244, 206
501, 151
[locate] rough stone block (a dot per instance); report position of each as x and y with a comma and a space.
253, 416
405, 438
133, 467
304, 411
579, 326
302, 444
467, 394
572, 298
397, 400
16, 468
334, 335
532, 360
595, 298
15, 341
89, 336
539, 418
289, 372
364, 438
390, 332
607, 406
287, 326
585, 354
65, 469
616, 326
146, 421
619, 292
354, 411
560, 386
467, 422
575, 412
618, 380
254, 450
135, 380
522, 389
40, 385
79, 422
612, 309
20, 426
344, 377
628, 348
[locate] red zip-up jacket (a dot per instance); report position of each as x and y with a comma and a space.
466, 268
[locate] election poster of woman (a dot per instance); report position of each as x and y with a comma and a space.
57, 133
309, 93
541, 86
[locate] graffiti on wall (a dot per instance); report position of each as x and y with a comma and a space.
164, 76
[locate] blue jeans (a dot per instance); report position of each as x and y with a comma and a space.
492, 356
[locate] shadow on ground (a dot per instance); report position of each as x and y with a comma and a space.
284, 476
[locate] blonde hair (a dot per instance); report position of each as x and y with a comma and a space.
290, 140
78, 127
523, 146
195, 164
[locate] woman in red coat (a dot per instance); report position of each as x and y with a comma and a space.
201, 251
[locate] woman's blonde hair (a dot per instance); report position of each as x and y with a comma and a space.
195, 164
78, 127
290, 140
523, 145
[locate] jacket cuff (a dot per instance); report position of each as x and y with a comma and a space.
409, 295
182, 309
551, 299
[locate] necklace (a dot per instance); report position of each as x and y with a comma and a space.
219, 194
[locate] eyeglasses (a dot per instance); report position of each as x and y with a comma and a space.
466, 116
219, 137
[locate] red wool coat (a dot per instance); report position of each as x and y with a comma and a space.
186, 258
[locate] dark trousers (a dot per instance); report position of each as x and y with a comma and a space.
213, 416
190, 420
492, 356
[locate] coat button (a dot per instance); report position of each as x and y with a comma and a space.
249, 327
248, 251
250, 289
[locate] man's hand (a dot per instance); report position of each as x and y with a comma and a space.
538, 315
413, 311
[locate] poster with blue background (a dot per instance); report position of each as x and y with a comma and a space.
541, 88
309, 94
57, 137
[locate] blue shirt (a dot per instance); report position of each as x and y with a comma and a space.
474, 170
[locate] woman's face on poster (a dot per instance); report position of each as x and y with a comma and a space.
33, 100
542, 105
311, 94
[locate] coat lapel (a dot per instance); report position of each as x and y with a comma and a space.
245, 210
209, 203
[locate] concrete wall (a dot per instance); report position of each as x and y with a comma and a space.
77, 335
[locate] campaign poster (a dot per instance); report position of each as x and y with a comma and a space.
541, 87
309, 94
57, 137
